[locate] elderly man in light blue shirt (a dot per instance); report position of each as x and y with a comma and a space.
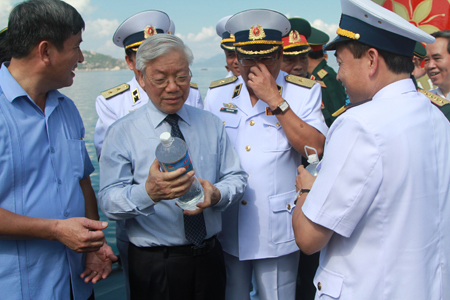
132, 187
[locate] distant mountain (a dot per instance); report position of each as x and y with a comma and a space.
97, 61
215, 61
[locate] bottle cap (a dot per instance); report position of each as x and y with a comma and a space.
313, 159
165, 138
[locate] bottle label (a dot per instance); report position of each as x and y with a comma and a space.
184, 162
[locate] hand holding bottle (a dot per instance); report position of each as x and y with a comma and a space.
167, 185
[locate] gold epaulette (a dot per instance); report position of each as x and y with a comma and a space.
322, 73
194, 85
115, 91
224, 81
322, 84
437, 100
304, 82
339, 112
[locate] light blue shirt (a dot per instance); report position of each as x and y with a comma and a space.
42, 160
127, 154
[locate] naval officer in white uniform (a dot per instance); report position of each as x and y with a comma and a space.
380, 206
270, 117
117, 102
227, 45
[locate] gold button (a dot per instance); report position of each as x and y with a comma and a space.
243, 202
319, 286
278, 124
288, 206
252, 123
248, 148
223, 122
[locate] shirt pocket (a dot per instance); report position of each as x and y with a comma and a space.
231, 123
77, 157
328, 284
281, 207
274, 139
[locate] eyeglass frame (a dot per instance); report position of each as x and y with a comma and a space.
166, 82
255, 59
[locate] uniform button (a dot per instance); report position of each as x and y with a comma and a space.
278, 124
59, 181
52, 150
66, 214
288, 207
319, 286
252, 123
248, 148
223, 122
243, 202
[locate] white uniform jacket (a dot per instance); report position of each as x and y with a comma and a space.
260, 226
111, 109
383, 188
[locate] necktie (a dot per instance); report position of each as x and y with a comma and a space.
194, 226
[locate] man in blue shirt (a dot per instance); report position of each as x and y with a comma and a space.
168, 260
47, 204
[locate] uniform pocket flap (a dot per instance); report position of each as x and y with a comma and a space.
231, 121
282, 202
328, 283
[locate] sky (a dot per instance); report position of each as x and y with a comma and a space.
195, 21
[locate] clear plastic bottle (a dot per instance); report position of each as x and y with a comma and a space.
313, 160
172, 154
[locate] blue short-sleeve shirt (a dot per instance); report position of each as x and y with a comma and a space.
42, 159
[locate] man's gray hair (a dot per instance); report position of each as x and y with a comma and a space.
160, 44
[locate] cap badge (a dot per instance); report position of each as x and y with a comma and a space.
149, 31
294, 37
256, 33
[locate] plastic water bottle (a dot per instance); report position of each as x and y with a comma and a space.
313, 160
172, 154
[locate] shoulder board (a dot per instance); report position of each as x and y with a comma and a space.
304, 82
322, 84
435, 99
224, 81
115, 91
322, 73
339, 112
194, 85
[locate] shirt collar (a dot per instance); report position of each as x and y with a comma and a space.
12, 89
158, 116
396, 88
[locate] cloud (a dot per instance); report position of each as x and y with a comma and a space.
101, 28
329, 29
206, 34
83, 6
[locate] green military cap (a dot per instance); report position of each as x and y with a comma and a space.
317, 39
295, 42
419, 50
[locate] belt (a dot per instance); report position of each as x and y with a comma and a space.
189, 250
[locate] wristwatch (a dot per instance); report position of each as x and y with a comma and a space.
284, 106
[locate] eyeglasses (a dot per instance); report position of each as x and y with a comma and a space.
251, 61
161, 83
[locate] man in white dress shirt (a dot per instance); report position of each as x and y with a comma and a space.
378, 210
